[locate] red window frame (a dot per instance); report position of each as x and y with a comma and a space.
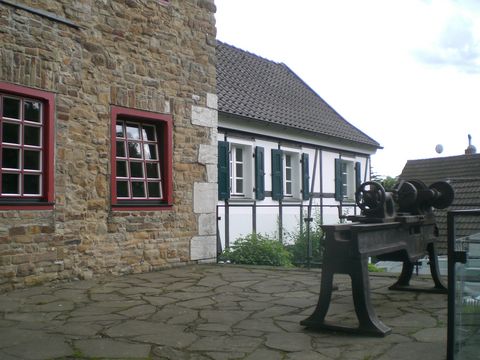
47, 197
163, 124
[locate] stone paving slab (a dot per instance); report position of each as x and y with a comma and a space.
214, 312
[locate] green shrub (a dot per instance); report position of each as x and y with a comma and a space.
257, 249
373, 268
299, 246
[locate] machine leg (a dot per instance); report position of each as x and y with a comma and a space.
368, 320
405, 276
434, 269
316, 320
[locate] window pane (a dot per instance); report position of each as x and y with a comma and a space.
11, 108
121, 149
288, 160
10, 184
150, 151
288, 189
122, 189
136, 169
133, 132
31, 111
148, 133
10, 158
288, 174
134, 150
122, 169
11, 133
239, 154
32, 135
152, 171
31, 184
239, 184
138, 189
154, 190
31, 160
119, 130
239, 170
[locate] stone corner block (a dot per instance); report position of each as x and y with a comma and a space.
204, 198
204, 117
212, 101
212, 173
207, 224
203, 248
207, 154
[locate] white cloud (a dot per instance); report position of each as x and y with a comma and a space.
455, 40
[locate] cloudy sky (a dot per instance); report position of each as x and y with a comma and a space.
406, 72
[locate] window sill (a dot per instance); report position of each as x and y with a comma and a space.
240, 200
292, 200
155, 207
26, 206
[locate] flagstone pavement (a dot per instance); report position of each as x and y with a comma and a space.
213, 312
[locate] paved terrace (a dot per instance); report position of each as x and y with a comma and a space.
212, 312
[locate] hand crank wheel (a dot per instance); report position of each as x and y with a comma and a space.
370, 196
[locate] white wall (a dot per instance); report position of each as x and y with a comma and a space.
240, 220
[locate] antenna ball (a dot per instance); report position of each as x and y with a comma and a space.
439, 148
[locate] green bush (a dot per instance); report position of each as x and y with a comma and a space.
257, 249
299, 246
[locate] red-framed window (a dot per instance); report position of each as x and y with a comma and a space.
141, 160
26, 148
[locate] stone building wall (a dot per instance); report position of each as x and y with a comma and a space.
149, 55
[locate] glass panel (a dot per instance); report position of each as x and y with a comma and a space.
134, 150
239, 184
152, 171
11, 133
148, 133
133, 132
10, 158
122, 189
136, 169
10, 184
31, 184
32, 136
150, 151
31, 111
154, 190
288, 160
11, 108
288, 174
138, 189
239, 170
467, 289
122, 169
288, 189
121, 149
31, 160
239, 154
119, 130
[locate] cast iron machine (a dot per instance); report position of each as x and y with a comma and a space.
396, 226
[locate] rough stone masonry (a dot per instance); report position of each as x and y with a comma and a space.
150, 55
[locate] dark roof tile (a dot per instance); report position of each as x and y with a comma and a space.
257, 88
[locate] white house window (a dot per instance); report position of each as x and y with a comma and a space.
291, 175
348, 180
288, 175
241, 172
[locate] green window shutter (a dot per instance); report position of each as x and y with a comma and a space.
358, 175
259, 173
305, 178
338, 180
223, 171
277, 174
